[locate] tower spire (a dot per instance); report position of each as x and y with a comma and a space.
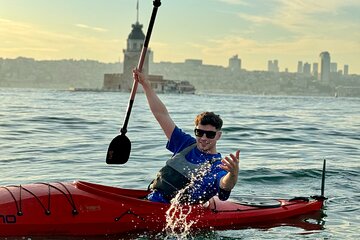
137, 11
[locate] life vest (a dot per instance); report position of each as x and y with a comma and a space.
176, 174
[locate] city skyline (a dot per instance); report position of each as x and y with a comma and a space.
211, 30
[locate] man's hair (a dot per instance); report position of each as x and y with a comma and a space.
211, 118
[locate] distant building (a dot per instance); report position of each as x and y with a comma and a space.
270, 66
193, 62
325, 67
234, 63
151, 57
124, 81
333, 67
315, 71
300, 67
273, 66
346, 70
276, 65
307, 69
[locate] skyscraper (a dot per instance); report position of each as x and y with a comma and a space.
307, 69
273, 66
300, 67
270, 66
276, 65
333, 67
346, 70
325, 67
315, 71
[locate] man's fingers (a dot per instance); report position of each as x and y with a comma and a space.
235, 159
231, 162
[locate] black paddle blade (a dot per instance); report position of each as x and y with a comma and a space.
119, 150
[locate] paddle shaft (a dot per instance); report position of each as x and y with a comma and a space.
156, 4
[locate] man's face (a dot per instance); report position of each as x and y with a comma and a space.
206, 138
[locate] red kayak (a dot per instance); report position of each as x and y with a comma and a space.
88, 209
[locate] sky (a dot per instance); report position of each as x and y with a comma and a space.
211, 30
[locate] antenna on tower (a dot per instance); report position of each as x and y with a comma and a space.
137, 11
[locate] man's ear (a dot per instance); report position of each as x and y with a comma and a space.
220, 133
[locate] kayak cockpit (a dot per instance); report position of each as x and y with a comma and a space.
109, 191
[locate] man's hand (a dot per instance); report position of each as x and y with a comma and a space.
139, 76
231, 165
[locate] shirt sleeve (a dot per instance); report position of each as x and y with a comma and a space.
179, 140
223, 194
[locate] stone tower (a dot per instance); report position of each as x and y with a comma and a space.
135, 40
132, 53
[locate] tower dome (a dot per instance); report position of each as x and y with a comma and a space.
136, 33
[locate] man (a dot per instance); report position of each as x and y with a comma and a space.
196, 170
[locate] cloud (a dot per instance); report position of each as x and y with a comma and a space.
255, 18
309, 46
299, 16
294, 20
97, 29
27, 49
309, 6
235, 2
29, 36
24, 39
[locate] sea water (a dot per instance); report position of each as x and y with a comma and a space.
52, 135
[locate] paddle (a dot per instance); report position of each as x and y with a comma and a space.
120, 147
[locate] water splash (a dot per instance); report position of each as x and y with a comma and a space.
178, 225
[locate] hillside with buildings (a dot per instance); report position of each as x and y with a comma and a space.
58, 74
65, 74
234, 79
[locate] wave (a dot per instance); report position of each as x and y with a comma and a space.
62, 120
267, 175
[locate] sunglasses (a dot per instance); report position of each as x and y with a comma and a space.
200, 133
